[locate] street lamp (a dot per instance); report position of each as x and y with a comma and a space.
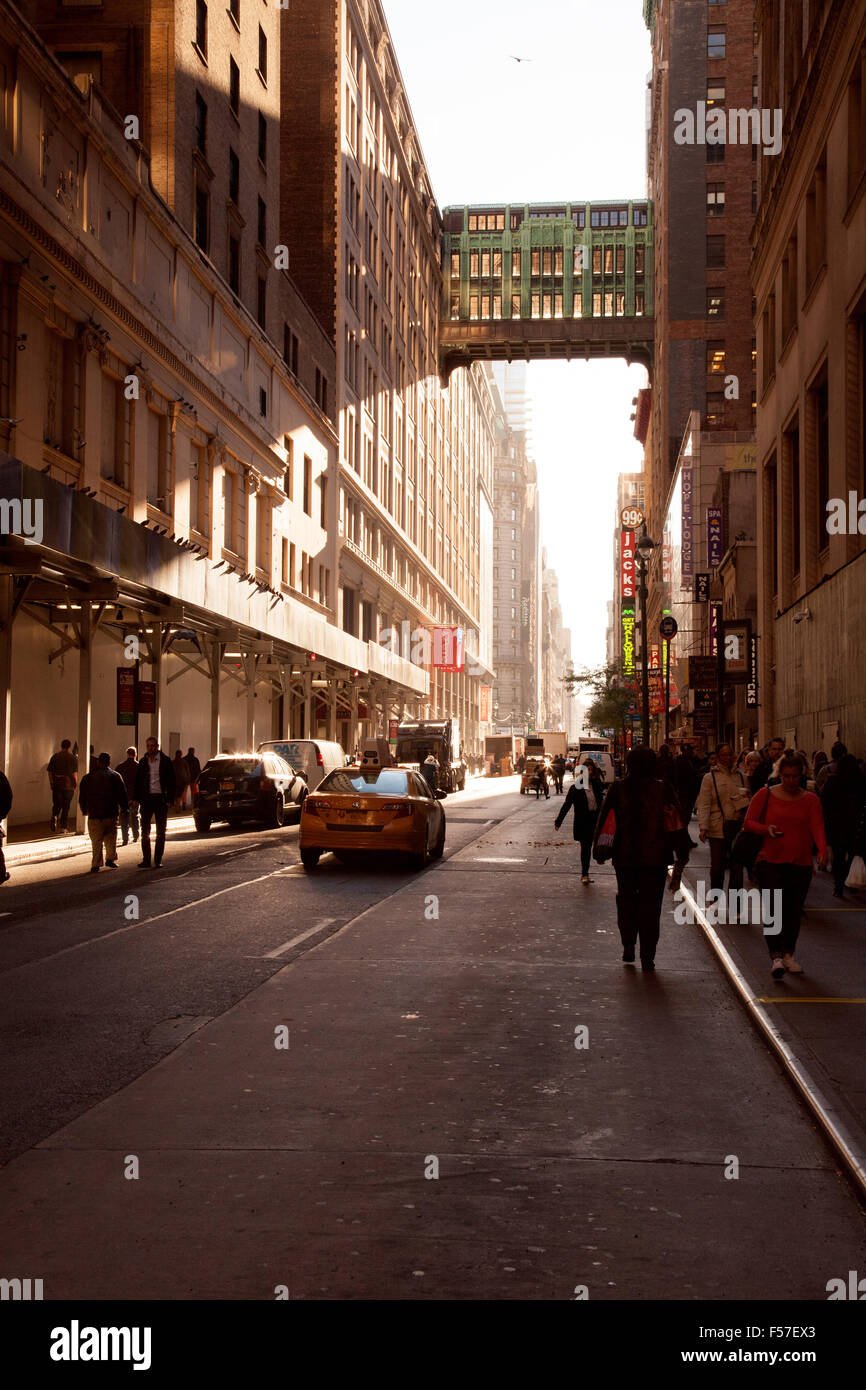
645, 548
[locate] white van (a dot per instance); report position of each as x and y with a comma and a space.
312, 756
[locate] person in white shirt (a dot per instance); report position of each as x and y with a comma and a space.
155, 790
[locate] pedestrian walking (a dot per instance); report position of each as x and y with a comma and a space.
791, 825
648, 829
194, 772
430, 771
181, 778
837, 752
722, 804
558, 770
584, 799
63, 779
128, 770
687, 780
102, 797
5, 808
843, 798
155, 791
539, 782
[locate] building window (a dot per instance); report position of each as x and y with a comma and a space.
791, 463
62, 394
201, 217
715, 92
290, 350
288, 475
263, 55
716, 43
308, 485
768, 341
234, 264
235, 12
596, 306
856, 126
234, 177
816, 222
819, 401
323, 501
715, 358
230, 518
234, 87
115, 434
263, 139
639, 260
261, 301
200, 123
789, 290
715, 154
715, 416
262, 223
157, 460
715, 302
715, 252
715, 199
201, 27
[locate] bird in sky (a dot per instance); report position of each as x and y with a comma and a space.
520, 60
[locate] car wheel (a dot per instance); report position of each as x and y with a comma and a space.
310, 858
277, 816
418, 861
202, 821
439, 847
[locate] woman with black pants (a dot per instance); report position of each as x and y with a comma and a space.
584, 796
790, 823
643, 847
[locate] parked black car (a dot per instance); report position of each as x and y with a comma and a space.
247, 786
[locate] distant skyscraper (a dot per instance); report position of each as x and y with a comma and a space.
511, 378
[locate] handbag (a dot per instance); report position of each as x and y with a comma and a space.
746, 846
679, 843
730, 827
603, 849
856, 874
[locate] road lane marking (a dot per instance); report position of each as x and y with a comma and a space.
296, 940
147, 922
476, 860
804, 999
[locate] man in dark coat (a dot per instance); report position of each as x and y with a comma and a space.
62, 778
585, 796
686, 780
155, 791
5, 808
102, 797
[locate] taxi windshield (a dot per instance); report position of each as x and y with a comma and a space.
379, 781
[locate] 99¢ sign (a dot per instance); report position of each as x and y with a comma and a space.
631, 518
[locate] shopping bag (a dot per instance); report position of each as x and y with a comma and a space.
605, 838
856, 874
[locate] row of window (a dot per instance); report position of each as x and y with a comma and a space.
599, 217
605, 304
234, 11
606, 260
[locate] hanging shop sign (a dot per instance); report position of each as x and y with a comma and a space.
714, 537
752, 679
702, 588
627, 565
125, 695
687, 554
628, 639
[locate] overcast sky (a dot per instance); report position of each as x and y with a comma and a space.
569, 125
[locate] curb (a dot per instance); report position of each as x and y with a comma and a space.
834, 1126
67, 846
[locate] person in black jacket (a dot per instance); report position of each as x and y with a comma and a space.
584, 796
843, 798
686, 780
102, 797
643, 847
5, 808
155, 791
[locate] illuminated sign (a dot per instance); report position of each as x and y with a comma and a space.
687, 556
752, 680
626, 565
628, 639
714, 537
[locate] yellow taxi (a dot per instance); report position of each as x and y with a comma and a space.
372, 808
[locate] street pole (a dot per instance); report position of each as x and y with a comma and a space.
644, 645
667, 688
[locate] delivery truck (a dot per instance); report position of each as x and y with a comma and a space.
550, 743
501, 752
441, 737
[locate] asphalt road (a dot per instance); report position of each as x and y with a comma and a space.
474, 1099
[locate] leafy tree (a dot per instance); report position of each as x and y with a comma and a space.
610, 693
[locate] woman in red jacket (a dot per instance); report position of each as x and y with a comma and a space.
791, 824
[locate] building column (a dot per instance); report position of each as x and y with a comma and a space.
7, 609
332, 708
250, 680
308, 705
216, 651
353, 716
85, 700
156, 677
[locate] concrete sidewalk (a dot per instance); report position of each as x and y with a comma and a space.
41, 850
433, 1131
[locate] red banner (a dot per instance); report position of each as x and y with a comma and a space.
626, 564
448, 648
484, 704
